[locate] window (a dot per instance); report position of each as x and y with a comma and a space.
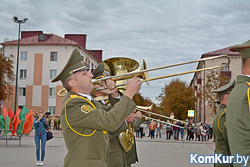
92, 66
52, 92
22, 91
23, 74
52, 74
53, 56
225, 67
24, 56
52, 110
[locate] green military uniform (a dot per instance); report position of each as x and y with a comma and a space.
85, 123
219, 126
118, 157
238, 116
131, 155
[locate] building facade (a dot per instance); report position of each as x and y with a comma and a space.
41, 58
203, 111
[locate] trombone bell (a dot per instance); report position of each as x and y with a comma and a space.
143, 75
118, 66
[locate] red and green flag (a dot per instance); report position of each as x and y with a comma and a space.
22, 115
11, 115
16, 121
1, 122
6, 120
28, 123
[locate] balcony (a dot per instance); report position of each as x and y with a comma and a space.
226, 74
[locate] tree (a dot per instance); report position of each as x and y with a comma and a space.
6, 76
177, 97
145, 102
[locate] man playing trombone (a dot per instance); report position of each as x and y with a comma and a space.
84, 122
118, 157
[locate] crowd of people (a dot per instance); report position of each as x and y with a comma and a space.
176, 130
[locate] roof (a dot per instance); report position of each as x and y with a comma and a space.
50, 39
224, 51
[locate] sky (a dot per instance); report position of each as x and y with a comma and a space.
162, 32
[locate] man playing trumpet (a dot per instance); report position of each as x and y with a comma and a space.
84, 121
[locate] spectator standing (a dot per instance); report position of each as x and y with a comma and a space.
189, 125
49, 122
158, 128
55, 123
211, 132
207, 128
204, 133
152, 127
191, 132
40, 125
197, 132
175, 129
182, 129
168, 130
141, 130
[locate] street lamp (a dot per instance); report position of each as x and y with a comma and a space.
19, 21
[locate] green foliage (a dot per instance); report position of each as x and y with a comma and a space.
6, 76
146, 102
178, 98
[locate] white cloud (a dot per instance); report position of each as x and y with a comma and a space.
161, 32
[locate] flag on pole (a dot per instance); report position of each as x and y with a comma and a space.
22, 115
6, 120
11, 115
16, 121
1, 122
28, 123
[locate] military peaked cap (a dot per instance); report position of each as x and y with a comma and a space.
244, 49
226, 89
99, 71
74, 64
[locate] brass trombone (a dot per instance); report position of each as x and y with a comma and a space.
143, 72
136, 73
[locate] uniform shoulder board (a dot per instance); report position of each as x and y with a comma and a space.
73, 96
248, 95
224, 112
248, 83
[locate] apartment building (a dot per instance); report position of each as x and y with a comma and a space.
203, 112
41, 57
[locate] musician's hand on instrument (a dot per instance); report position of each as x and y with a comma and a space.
111, 89
138, 114
131, 117
133, 86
